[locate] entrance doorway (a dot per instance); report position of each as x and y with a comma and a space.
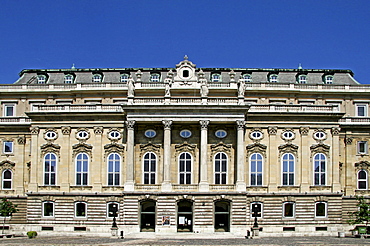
185, 216
147, 216
222, 216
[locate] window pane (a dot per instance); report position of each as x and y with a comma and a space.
288, 210
320, 209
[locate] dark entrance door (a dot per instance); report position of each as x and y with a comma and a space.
147, 218
185, 216
222, 216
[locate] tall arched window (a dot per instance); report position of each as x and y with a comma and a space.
185, 163
220, 168
256, 162
50, 164
320, 169
288, 169
150, 167
7, 179
82, 169
362, 180
114, 167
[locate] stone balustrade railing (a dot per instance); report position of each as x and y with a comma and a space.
294, 108
77, 108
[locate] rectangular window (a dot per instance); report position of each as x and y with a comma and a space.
112, 209
362, 147
320, 209
8, 147
361, 109
48, 209
256, 209
288, 210
9, 110
80, 209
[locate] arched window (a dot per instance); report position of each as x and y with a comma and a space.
220, 163
256, 162
124, 78
185, 163
273, 78
302, 79
247, 78
41, 79
150, 166
50, 164
362, 180
68, 79
288, 169
96, 78
7, 179
114, 167
155, 77
216, 77
320, 169
222, 216
82, 169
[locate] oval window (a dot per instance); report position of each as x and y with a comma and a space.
185, 134
50, 135
115, 134
220, 133
288, 135
150, 133
82, 134
319, 135
256, 135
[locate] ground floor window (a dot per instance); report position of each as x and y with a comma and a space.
147, 216
48, 209
288, 209
222, 216
112, 209
80, 209
320, 209
256, 209
184, 216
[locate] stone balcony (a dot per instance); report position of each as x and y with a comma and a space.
78, 108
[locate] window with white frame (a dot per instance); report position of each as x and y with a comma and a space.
155, 77
220, 168
320, 169
273, 78
329, 79
288, 209
114, 167
82, 169
256, 209
216, 77
7, 179
150, 166
80, 209
9, 109
7, 147
302, 79
112, 209
50, 164
362, 180
41, 79
247, 78
320, 209
362, 147
256, 164
185, 164
97, 78
288, 169
124, 78
68, 79
361, 109
48, 209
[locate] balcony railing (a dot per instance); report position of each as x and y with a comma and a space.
77, 108
294, 108
355, 121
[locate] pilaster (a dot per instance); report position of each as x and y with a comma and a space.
335, 159
33, 186
203, 185
240, 172
304, 161
130, 162
166, 185
271, 170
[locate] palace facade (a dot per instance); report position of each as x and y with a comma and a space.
184, 150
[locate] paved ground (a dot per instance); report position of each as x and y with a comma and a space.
311, 241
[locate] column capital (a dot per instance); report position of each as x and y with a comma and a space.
204, 124
304, 130
130, 124
335, 130
272, 130
34, 130
167, 124
240, 124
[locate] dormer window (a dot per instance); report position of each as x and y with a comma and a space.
247, 78
68, 79
216, 77
155, 77
96, 78
328, 79
124, 78
273, 78
41, 79
302, 79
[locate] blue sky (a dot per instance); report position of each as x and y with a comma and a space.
158, 33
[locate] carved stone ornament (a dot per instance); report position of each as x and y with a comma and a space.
185, 147
167, 124
362, 165
48, 198
21, 140
114, 148
255, 199
82, 147
223, 198
98, 130
256, 148
321, 199
130, 124
80, 199
240, 124
220, 147
138, 75
7, 164
335, 131
288, 148
50, 148
348, 140
34, 130
144, 198
289, 199
184, 197
66, 130
319, 148
112, 199
204, 124
304, 130
232, 76
149, 147
185, 72
272, 130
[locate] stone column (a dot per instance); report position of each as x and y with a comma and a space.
349, 169
66, 166
305, 166
96, 178
35, 169
240, 172
130, 162
166, 185
335, 160
203, 184
271, 170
